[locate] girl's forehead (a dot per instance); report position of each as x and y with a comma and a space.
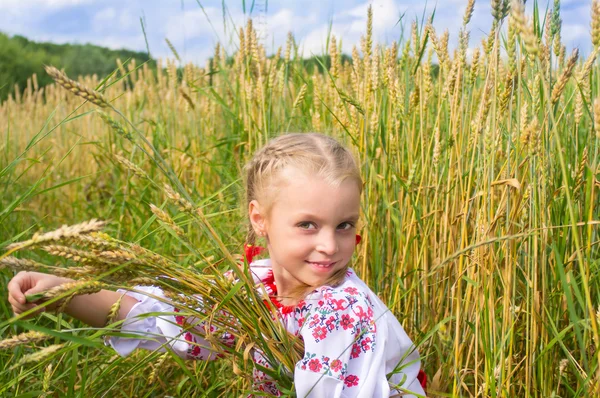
315, 191
293, 185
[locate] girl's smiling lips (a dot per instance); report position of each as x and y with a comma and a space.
322, 265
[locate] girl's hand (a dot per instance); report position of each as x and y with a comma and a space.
26, 283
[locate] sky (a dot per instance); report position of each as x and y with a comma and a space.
195, 26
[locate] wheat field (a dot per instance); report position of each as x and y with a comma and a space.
480, 212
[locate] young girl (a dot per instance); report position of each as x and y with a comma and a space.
303, 198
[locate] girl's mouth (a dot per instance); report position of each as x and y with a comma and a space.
322, 265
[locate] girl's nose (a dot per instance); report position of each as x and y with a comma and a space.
327, 244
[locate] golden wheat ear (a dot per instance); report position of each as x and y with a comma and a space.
64, 232
23, 338
76, 88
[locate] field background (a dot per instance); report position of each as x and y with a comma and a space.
480, 208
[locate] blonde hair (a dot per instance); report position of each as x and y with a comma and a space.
312, 153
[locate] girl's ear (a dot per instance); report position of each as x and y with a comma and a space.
257, 219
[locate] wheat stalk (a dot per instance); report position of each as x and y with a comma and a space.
597, 117
78, 288
525, 28
18, 264
64, 232
40, 355
76, 88
564, 77
157, 366
116, 126
23, 338
135, 169
595, 23
165, 218
468, 12
113, 313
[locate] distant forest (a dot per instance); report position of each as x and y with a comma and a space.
20, 58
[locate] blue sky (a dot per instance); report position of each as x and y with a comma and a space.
116, 23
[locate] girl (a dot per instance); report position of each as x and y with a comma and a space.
303, 198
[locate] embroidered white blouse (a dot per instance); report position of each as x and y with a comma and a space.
351, 340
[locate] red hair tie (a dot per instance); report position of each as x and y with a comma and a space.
250, 251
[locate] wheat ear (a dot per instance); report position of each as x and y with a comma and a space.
39, 355
20, 264
23, 338
76, 88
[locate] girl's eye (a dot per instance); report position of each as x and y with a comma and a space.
307, 225
346, 226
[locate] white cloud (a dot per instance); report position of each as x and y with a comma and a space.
194, 33
572, 33
63, 3
104, 17
348, 26
49, 4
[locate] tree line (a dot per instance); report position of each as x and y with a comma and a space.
20, 58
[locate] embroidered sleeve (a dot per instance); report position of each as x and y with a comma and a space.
340, 337
183, 335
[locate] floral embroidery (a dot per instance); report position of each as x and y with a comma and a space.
319, 333
341, 314
351, 381
336, 365
347, 322
351, 290
314, 365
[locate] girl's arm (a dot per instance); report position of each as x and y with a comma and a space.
91, 309
155, 332
183, 334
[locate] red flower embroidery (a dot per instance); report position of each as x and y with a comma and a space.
355, 351
319, 333
365, 344
330, 323
314, 321
347, 322
351, 381
336, 365
195, 351
179, 318
339, 304
351, 290
360, 313
315, 365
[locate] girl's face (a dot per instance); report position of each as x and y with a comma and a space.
310, 229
